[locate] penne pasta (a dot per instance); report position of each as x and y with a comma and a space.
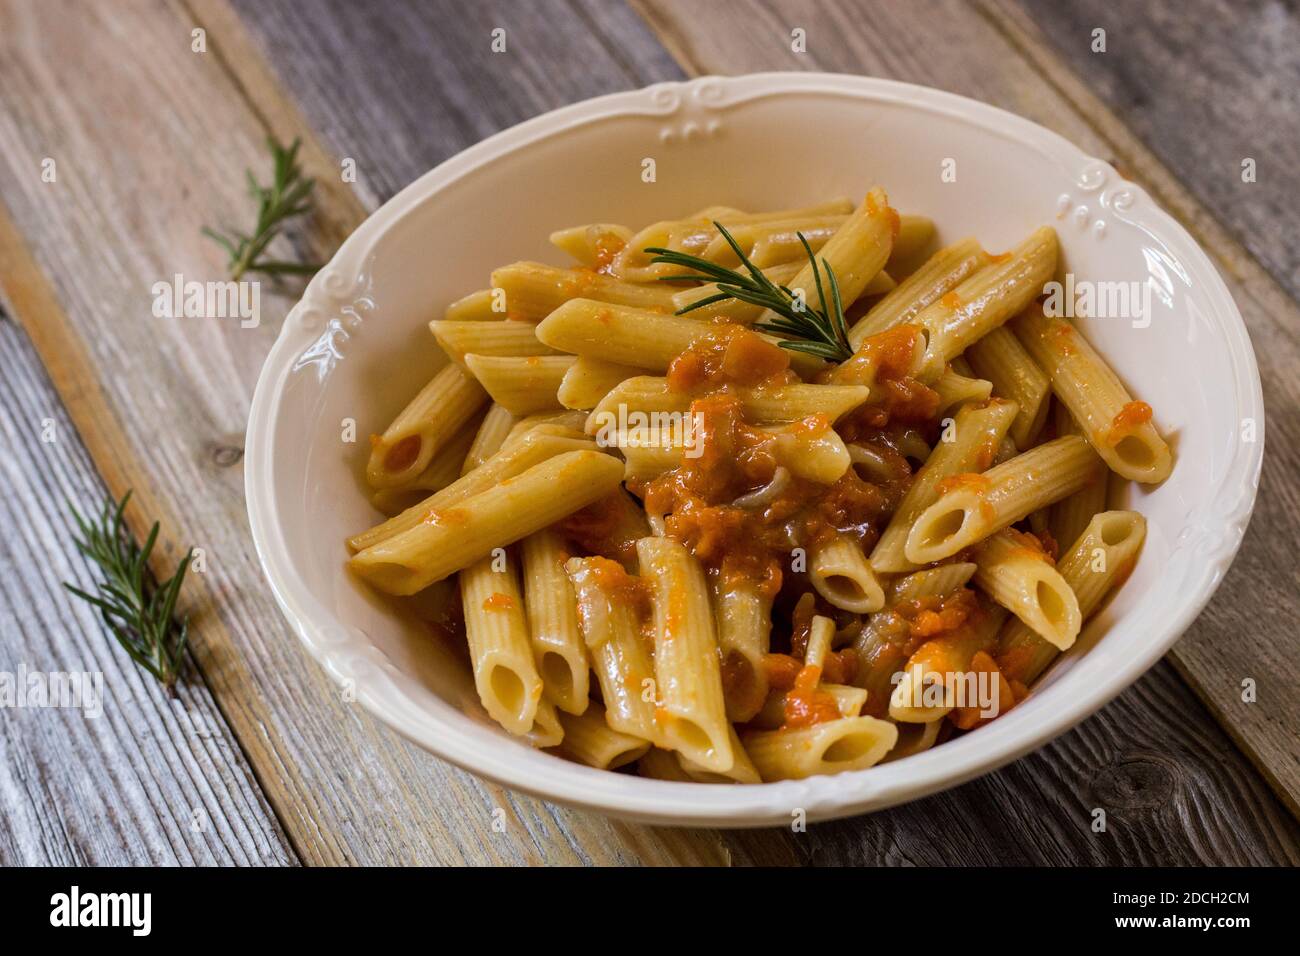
1119, 428
649, 395
975, 433
635, 337
588, 380
557, 642
589, 739
593, 245
742, 612
987, 299
841, 574
523, 386
609, 616
1012, 569
488, 439
533, 290
407, 446
977, 506
850, 743
1000, 358
504, 674
691, 713
956, 390
855, 254
940, 274
1094, 565
454, 537
508, 463
487, 338
442, 470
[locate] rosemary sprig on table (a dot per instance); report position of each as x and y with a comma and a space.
138, 609
289, 195
823, 332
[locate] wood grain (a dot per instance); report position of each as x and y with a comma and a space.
993, 52
150, 781
148, 149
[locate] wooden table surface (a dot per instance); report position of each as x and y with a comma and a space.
259, 759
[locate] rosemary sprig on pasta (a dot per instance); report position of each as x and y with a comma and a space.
289, 195
822, 332
139, 610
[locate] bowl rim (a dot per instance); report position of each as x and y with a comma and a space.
1209, 545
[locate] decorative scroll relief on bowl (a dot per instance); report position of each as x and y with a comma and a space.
691, 107
1085, 211
332, 309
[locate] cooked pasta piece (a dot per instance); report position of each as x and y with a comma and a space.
742, 770
843, 576
454, 537
588, 380
508, 463
1000, 358
849, 701
1013, 569
975, 506
855, 253
478, 306
941, 273
442, 470
987, 299
1118, 427
458, 339
1095, 564
785, 403
931, 582
593, 245
429, 421
968, 445
743, 612
695, 235
524, 386
589, 739
1068, 517
488, 439
504, 674
956, 390
557, 642
692, 714
850, 743
610, 618
533, 290
627, 336
939, 676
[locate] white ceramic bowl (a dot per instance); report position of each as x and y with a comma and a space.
356, 347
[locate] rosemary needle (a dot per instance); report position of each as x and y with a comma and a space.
289, 195
138, 609
823, 332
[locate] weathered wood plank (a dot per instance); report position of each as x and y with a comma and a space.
150, 781
149, 147
1204, 85
992, 52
